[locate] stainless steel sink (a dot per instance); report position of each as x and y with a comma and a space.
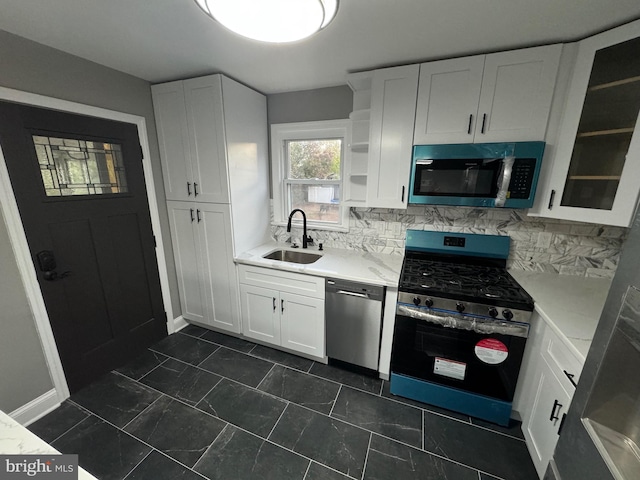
292, 256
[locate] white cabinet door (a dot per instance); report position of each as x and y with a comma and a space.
302, 324
448, 95
541, 428
173, 139
393, 109
517, 89
213, 223
205, 121
594, 167
260, 313
186, 251
500, 97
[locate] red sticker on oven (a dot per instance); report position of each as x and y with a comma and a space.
491, 351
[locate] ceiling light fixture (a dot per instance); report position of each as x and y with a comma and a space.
275, 21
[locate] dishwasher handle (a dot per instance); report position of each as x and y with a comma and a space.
353, 294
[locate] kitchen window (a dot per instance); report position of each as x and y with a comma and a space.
308, 161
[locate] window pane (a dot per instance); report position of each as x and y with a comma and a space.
320, 203
317, 159
75, 167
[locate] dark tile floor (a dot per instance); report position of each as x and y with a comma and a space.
200, 404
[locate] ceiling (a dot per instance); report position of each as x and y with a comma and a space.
161, 40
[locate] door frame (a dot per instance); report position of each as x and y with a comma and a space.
18, 238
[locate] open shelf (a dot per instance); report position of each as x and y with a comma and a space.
616, 83
613, 131
594, 177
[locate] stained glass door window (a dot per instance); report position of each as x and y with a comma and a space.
78, 167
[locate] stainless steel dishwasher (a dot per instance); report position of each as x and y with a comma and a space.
353, 313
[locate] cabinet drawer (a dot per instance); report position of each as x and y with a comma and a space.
300, 284
559, 357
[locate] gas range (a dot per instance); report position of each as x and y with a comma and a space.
461, 324
453, 272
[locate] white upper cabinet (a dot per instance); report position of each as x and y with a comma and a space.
393, 104
595, 163
499, 97
190, 122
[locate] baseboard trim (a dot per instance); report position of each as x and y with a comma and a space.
36, 408
178, 324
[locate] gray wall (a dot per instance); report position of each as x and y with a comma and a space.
331, 103
32, 67
575, 456
23, 371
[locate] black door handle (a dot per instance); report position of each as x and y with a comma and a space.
47, 264
198, 215
191, 210
484, 122
282, 306
570, 377
188, 189
274, 304
195, 189
553, 416
470, 124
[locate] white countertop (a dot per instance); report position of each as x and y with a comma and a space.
571, 305
354, 265
17, 440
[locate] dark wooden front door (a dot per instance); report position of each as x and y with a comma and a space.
79, 185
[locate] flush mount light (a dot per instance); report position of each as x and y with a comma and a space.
276, 21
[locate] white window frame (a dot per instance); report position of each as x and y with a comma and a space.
283, 132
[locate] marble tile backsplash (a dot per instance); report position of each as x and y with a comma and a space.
538, 244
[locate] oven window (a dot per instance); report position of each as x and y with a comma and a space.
457, 178
418, 346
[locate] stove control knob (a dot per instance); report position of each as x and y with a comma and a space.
507, 314
428, 303
416, 301
493, 312
460, 307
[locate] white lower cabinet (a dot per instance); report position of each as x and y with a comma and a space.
546, 385
203, 252
542, 428
283, 309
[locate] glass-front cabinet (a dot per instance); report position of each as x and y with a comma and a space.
596, 165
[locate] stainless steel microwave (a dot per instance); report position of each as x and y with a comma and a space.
479, 174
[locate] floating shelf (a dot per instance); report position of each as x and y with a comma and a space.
359, 175
617, 83
615, 131
594, 177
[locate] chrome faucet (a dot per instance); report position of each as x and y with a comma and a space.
305, 239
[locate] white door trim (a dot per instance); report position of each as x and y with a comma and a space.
18, 237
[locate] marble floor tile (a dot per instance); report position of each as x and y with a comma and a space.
243, 406
57, 422
389, 460
282, 358
228, 341
490, 452
142, 364
115, 398
320, 472
513, 430
300, 388
356, 380
103, 450
159, 467
180, 431
239, 455
194, 330
380, 415
326, 440
237, 366
183, 347
181, 380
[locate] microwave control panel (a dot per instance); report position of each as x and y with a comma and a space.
522, 178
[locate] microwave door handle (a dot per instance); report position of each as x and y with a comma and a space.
504, 179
